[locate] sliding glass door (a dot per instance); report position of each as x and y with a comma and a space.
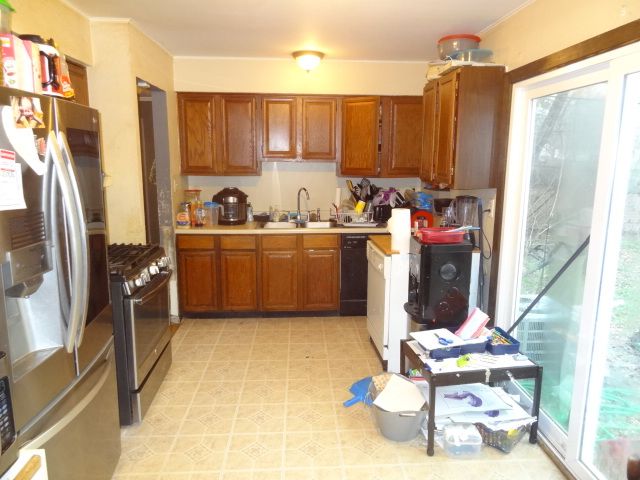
570, 255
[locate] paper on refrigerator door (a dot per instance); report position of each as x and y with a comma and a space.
11, 194
22, 140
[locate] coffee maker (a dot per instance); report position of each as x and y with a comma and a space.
234, 206
439, 284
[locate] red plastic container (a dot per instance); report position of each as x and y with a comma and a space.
433, 235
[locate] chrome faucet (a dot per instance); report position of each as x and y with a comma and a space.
302, 189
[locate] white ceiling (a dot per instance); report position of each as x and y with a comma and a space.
382, 30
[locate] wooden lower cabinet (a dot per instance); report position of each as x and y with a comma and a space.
197, 281
238, 273
271, 273
320, 279
279, 281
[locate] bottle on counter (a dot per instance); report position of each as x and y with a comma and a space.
200, 215
183, 217
249, 213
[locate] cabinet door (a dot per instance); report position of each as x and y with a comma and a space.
197, 281
320, 269
279, 127
360, 136
429, 129
238, 275
196, 114
446, 120
318, 128
238, 128
279, 276
402, 136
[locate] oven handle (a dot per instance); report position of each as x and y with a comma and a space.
154, 288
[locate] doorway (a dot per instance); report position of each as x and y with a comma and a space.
154, 150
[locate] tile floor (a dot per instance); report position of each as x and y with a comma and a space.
262, 399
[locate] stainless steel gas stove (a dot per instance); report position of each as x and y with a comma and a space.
140, 294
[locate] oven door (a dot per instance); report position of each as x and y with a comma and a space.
147, 327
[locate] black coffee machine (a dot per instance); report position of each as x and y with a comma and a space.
234, 206
439, 282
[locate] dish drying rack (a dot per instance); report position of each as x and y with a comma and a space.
354, 217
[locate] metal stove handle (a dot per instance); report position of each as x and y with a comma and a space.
154, 286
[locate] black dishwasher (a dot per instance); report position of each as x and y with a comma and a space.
353, 274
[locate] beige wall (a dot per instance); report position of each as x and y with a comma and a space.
122, 54
546, 26
55, 19
276, 75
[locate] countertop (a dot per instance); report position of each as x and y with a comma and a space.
383, 242
253, 228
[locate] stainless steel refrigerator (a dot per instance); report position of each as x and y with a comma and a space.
57, 367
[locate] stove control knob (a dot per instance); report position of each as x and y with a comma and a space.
145, 275
164, 262
154, 269
139, 281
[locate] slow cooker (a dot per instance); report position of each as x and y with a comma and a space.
234, 206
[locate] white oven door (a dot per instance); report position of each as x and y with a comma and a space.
378, 288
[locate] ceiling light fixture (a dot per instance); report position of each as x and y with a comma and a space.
308, 59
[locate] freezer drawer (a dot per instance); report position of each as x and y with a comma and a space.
81, 432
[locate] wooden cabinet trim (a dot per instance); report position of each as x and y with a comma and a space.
320, 241
279, 242
185, 242
237, 242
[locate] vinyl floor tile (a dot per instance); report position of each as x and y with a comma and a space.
261, 399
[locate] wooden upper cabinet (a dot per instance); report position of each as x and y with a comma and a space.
318, 128
238, 128
446, 115
428, 131
360, 136
401, 136
299, 128
468, 101
196, 113
279, 129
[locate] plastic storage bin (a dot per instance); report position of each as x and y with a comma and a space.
503, 440
449, 45
439, 235
502, 348
462, 440
397, 426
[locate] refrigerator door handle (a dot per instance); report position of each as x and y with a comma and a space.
80, 296
75, 239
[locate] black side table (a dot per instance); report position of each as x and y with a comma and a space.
467, 375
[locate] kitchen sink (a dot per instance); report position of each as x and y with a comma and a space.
298, 225
318, 224
279, 225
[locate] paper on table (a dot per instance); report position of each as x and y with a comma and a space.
472, 397
473, 325
400, 395
429, 340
